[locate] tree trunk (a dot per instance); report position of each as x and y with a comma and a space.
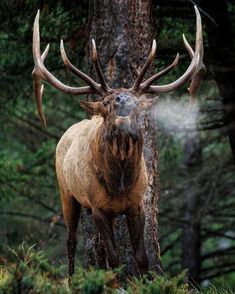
123, 33
220, 40
191, 230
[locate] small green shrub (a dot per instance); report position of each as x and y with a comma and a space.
159, 285
30, 272
93, 281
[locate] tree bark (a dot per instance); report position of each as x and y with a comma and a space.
220, 41
191, 230
123, 33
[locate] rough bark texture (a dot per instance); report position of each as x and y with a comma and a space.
191, 244
220, 39
123, 33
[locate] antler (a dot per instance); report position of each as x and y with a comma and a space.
143, 71
98, 68
40, 73
93, 85
192, 71
199, 74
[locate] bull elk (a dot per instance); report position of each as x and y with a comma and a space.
99, 161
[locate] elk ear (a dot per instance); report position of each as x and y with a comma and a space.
94, 107
145, 104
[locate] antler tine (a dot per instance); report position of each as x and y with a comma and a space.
45, 52
37, 78
179, 82
150, 59
193, 68
199, 74
188, 47
95, 59
96, 87
157, 76
41, 73
199, 37
38, 89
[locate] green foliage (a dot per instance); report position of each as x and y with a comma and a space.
222, 288
29, 271
93, 281
159, 285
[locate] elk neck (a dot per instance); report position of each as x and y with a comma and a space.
116, 159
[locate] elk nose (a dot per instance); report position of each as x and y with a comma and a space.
123, 99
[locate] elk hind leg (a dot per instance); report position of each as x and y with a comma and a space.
136, 222
71, 211
105, 228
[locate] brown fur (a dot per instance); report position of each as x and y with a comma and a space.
83, 157
100, 166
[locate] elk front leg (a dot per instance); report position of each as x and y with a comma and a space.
136, 222
71, 211
105, 228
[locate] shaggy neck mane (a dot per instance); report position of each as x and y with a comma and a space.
117, 160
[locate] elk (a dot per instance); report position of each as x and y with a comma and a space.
99, 161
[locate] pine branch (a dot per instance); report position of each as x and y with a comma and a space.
220, 252
218, 274
34, 217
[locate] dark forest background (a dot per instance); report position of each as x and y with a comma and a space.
196, 150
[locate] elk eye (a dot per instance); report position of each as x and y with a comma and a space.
118, 99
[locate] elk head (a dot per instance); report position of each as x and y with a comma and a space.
119, 107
